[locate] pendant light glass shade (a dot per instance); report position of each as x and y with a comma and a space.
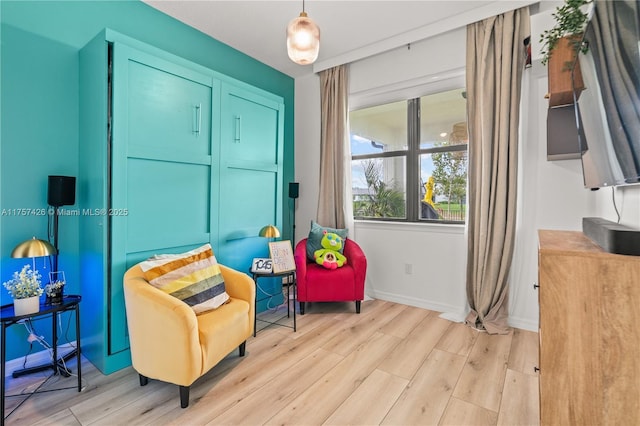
303, 40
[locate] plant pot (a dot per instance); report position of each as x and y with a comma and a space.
26, 306
55, 298
561, 62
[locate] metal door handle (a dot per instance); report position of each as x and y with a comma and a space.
197, 121
236, 138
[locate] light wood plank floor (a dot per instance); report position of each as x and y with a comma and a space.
392, 364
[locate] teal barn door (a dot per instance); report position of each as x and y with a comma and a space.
164, 169
173, 155
251, 152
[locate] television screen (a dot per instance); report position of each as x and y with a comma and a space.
608, 110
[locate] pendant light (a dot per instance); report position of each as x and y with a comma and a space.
303, 39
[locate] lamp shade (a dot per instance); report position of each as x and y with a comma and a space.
269, 231
33, 248
303, 40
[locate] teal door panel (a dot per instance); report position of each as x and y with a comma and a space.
168, 112
163, 170
91, 194
168, 203
250, 127
249, 203
250, 172
117, 325
250, 165
175, 155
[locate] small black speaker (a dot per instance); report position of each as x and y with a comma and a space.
62, 191
294, 187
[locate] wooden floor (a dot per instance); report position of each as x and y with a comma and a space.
392, 364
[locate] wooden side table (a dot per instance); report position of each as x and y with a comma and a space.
8, 318
291, 282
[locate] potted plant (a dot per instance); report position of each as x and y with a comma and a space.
571, 20
25, 289
560, 47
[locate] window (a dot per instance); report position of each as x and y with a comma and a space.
409, 159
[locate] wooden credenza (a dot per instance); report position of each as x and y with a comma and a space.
589, 332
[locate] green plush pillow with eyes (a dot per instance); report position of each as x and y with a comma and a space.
329, 255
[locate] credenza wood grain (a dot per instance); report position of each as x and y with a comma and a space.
589, 332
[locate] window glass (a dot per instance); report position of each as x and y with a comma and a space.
409, 159
377, 129
443, 118
443, 178
379, 187
443, 156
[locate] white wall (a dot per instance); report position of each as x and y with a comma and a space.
424, 265
627, 201
550, 196
307, 151
416, 264
405, 260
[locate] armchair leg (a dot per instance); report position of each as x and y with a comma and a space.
184, 396
143, 380
301, 308
242, 347
357, 306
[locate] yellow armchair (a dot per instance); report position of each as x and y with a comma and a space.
169, 342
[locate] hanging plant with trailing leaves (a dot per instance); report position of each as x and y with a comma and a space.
571, 19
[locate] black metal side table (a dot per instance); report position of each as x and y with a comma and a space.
291, 282
8, 318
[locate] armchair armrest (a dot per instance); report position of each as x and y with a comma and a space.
163, 332
300, 257
358, 261
240, 286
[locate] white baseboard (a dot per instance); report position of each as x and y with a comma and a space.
34, 359
418, 303
449, 312
523, 324
454, 316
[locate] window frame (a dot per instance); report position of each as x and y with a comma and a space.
412, 160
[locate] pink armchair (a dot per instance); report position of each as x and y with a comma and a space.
318, 284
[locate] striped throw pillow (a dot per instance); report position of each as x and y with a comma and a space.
193, 277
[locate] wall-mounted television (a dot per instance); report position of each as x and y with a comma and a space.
608, 110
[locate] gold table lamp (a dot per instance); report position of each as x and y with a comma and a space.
269, 231
33, 248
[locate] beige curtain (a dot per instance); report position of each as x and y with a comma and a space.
495, 63
334, 140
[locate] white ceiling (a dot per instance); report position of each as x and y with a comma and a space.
349, 30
